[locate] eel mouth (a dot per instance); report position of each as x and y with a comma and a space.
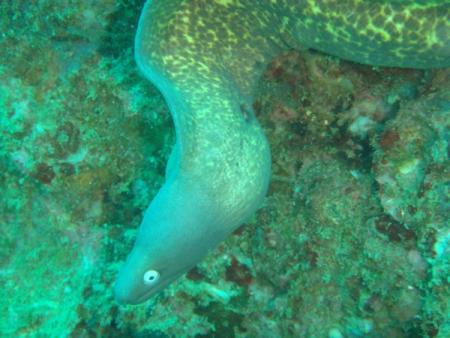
125, 295
155, 289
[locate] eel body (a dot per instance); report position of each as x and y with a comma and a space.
205, 57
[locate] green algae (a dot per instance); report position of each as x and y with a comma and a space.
83, 145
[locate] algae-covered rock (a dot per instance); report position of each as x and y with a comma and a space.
352, 240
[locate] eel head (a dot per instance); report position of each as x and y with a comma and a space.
176, 232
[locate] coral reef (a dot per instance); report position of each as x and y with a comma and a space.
353, 238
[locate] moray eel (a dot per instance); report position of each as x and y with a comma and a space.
205, 57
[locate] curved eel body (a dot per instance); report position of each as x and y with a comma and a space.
205, 56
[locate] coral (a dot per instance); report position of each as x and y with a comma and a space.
352, 239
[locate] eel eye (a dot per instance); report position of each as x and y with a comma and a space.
151, 277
